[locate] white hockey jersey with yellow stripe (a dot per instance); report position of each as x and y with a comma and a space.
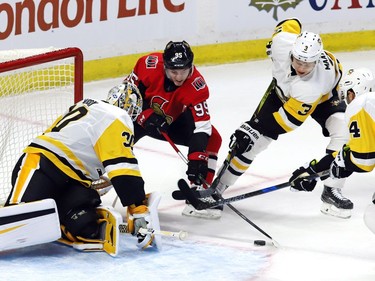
360, 118
92, 138
300, 95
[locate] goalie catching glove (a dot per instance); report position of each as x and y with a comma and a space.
243, 139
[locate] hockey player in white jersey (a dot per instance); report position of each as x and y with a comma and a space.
358, 154
92, 138
358, 90
305, 80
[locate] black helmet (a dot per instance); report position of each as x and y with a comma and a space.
178, 55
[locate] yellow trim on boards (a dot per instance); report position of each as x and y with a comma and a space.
228, 53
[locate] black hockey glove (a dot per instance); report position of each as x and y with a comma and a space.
338, 169
298, 181
197, 167
153, 123
242, 140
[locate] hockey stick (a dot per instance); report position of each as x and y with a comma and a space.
221, 198
182, 235
178, 195
200, 205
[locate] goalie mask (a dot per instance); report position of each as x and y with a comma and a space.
307, 47
178, 55
127, 97
358, 80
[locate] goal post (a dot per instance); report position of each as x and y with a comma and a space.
36, 86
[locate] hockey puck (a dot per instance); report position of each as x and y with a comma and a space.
259, 242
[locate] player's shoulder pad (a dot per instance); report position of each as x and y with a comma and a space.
292, 25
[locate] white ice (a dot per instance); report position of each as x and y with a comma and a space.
313, 246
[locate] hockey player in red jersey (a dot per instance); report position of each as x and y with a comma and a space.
305, 80
175, 101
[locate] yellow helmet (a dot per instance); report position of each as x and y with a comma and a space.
127, 97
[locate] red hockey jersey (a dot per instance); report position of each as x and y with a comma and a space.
149, 75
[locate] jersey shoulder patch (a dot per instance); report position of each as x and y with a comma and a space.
199, 83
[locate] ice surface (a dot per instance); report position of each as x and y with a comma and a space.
313, 246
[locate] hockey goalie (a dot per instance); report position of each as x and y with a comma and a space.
52, 195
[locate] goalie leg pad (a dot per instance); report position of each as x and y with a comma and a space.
110, 220
21, 225
108, 237
153, 203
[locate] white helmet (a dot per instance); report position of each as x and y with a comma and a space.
307, 47
127, 97
359, 80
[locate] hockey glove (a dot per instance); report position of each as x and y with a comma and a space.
153, 123
242, 140
298, 181
337, 169
139, 217
197, 167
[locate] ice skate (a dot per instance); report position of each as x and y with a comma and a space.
335, 204
213, 214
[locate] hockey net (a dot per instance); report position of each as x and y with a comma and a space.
36, 86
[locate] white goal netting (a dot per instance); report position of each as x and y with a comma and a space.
36, 86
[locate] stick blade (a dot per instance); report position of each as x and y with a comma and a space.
190, 196
178, 195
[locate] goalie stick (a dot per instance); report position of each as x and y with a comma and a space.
182, 235
99, 247
190, 195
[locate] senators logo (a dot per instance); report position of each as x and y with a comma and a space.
157, 103
199, 83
